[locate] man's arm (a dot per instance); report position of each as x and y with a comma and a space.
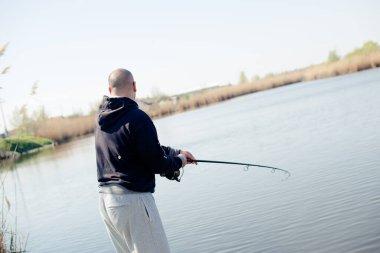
150, 152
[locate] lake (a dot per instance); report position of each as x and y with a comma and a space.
325, 132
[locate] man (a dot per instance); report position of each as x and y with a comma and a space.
128, 156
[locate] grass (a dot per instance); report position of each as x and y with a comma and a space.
23, 144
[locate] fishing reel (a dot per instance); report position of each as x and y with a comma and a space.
172, 175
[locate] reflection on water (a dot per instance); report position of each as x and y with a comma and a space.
324, 132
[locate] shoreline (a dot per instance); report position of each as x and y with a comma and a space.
199, 99
13, 148
7, 156
64, 129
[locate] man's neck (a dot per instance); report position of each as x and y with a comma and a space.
121, 96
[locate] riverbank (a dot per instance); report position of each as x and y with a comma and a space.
203, 98
14, 147
63, 129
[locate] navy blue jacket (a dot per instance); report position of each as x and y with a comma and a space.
127, 148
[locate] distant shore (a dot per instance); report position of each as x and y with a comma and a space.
14, 147
63, 129
218, 94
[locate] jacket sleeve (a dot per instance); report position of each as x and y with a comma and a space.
149, 150
170, 151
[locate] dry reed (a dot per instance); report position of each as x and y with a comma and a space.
2, 246
63, 129
324, 70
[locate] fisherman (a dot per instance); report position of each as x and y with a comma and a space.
128, 155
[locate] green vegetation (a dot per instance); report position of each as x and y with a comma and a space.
26, 123
243, 78
333, 56
255, 78
23, 144
367, 48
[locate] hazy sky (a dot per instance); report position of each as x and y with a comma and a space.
71, 46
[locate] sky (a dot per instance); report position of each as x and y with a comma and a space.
71, 46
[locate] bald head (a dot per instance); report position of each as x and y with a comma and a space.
121, 83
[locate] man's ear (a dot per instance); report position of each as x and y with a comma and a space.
109, 89
134, 87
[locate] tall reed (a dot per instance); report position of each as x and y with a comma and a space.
65, 128
62, 129
10, 240
210, 96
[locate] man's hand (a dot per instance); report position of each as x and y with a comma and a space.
188, 156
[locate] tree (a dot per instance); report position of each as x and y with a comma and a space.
21, 120
156, 92
255, 78
243, 78
269, 75
333, 56
367, 48
158, 95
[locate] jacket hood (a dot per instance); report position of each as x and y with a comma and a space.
112, 108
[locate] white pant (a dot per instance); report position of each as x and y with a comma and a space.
133, 223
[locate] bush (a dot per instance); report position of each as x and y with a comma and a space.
333, 56
22, 144
367, 48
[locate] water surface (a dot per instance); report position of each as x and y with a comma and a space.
325, 132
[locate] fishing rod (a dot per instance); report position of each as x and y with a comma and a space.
176, 175
247, 165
